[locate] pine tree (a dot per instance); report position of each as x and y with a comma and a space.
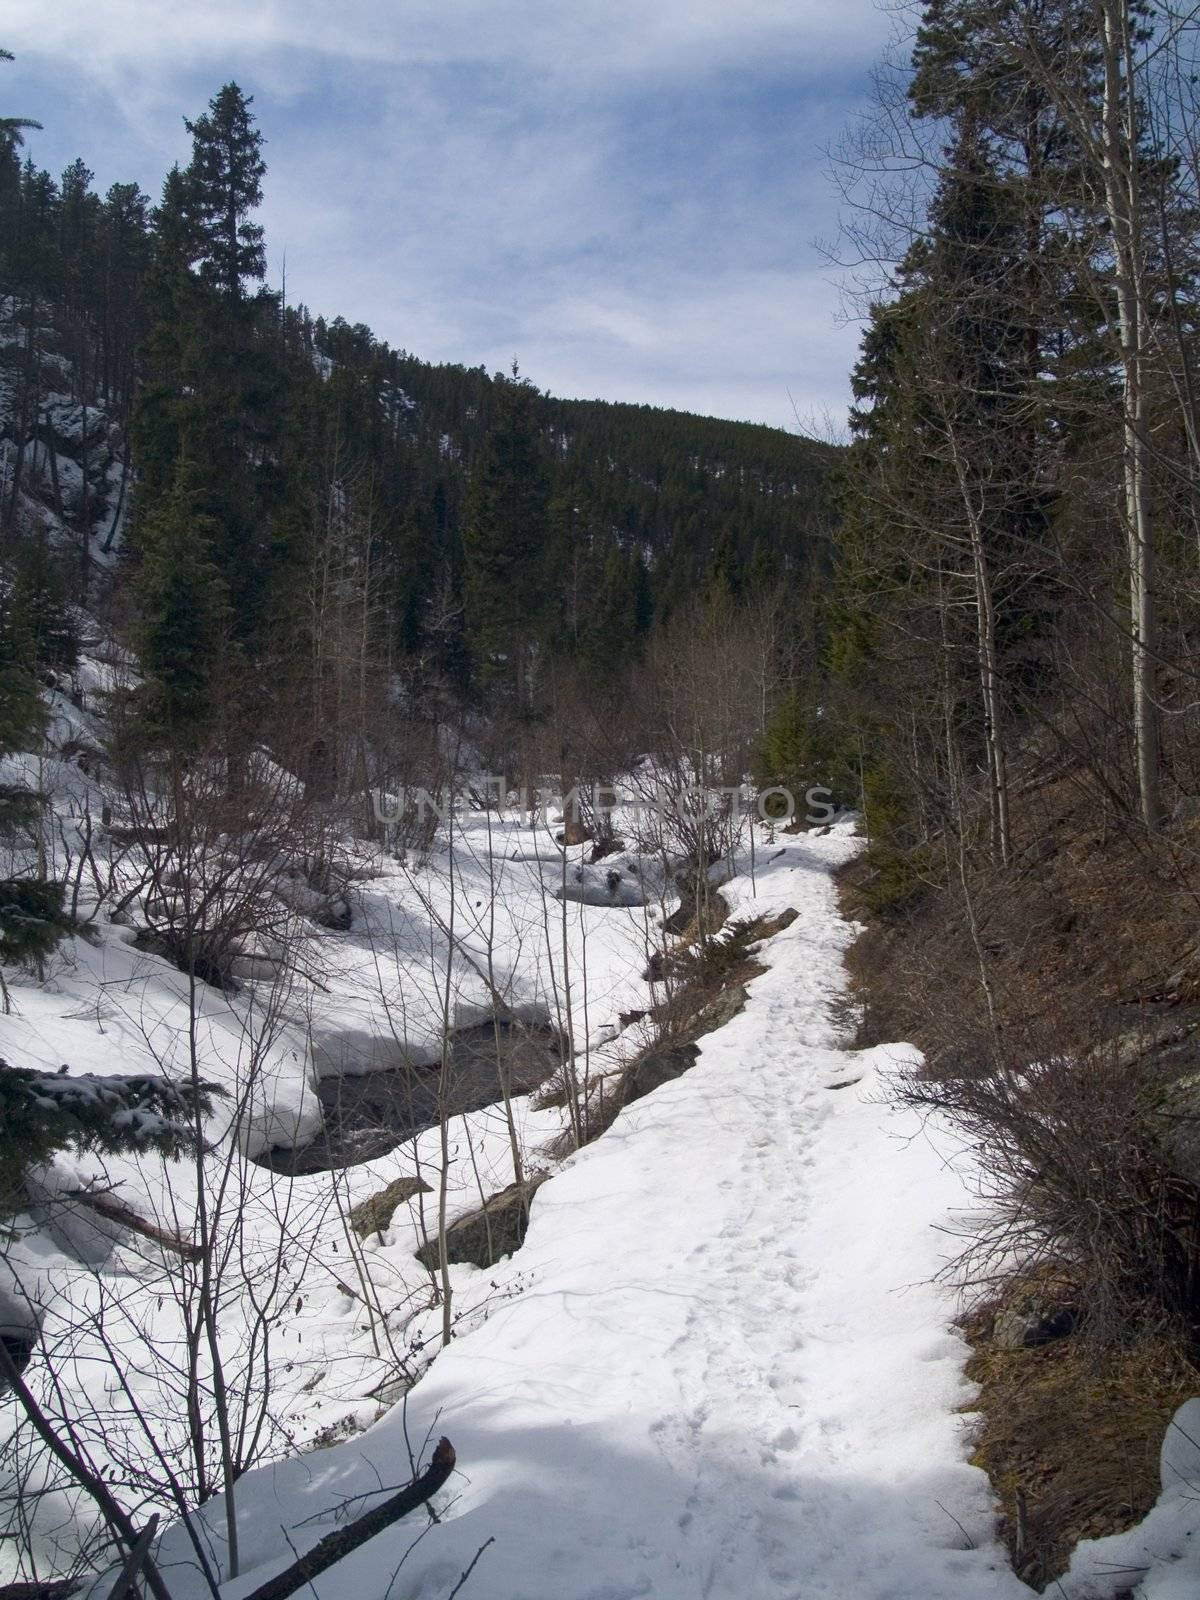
217, 375
224, 186
41, 615
183, 610
170, 355
32, 919
13, 129
22, 718
505, 541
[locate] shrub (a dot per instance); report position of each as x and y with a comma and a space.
1065, 1149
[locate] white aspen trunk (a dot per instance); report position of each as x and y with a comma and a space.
444, 1073
989, 678
1122, 201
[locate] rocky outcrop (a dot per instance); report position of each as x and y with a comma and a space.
1030, 1322
495, 1230
375, 1214
650, 1071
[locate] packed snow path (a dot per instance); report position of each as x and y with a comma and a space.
719, 1366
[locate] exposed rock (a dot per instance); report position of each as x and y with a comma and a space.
651, 1071
483, 1237
721, 1010
375, 1214
663, 1063
1031, 1322
768, 927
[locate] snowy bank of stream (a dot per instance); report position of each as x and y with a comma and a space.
719, 1365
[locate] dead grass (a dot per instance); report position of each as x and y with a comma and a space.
1092, 923
1057, 1068
1074, 1432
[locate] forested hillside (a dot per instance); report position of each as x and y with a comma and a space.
167, 418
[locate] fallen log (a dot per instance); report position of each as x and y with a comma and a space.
335, 1546
113, 1211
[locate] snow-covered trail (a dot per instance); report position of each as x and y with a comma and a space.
719, 1366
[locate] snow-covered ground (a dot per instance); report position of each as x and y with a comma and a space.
727, 1370
721, 1364
343, 1315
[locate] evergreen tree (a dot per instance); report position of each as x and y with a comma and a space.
505, 540
21, 716
13, 129
42, 618
170, 356
43, 1112
611, 636
224, 186
32, 919
182, 613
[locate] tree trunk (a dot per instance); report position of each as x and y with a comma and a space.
1122, 199
989, 677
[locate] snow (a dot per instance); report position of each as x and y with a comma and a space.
720, 1364
723, 1363
1179, 1459
360, 999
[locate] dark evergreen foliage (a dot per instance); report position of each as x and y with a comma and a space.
44, 1112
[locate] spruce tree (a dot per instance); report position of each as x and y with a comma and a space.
42, 1112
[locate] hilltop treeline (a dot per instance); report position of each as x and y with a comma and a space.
285, 490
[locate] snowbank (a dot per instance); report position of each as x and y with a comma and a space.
719, 1365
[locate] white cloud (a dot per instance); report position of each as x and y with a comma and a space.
622, 192
578, 38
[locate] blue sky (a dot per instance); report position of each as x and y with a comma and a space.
625, 194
